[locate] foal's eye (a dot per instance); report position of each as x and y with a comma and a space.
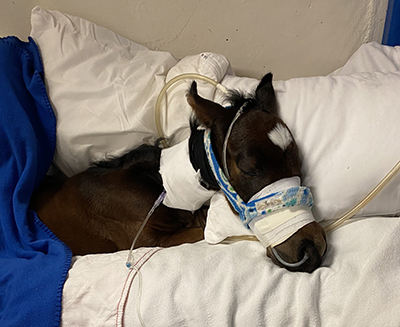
250, 174
248, 165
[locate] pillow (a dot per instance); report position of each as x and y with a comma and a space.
103, 88
347, 130
372, 57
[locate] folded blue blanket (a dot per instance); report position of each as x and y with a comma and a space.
33, 262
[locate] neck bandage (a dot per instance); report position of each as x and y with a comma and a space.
181, 182
273, 214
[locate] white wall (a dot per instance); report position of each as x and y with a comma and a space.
291, 38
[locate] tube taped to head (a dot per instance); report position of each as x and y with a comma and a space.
276, 212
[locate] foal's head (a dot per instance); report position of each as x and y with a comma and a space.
259, 150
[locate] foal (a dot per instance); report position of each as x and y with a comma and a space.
102, 208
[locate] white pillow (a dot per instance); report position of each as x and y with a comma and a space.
103, 88
347, 129
372, 57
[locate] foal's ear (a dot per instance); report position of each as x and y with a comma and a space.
205, 110
265, 94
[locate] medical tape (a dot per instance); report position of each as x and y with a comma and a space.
273, 228
277, 227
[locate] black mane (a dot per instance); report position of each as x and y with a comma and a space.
237, 99
145, 158
144, 154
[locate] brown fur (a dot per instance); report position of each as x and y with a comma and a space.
95, 213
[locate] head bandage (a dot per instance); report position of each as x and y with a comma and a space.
273, 214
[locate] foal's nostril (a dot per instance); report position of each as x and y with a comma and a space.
308, 258
314, 257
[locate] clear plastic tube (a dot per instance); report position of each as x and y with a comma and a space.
287, 264
168, 85
366, 200
129, 261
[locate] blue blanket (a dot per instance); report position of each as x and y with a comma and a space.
33, 262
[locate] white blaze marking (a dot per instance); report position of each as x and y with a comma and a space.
280, 136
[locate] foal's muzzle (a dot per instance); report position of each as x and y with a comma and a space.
303, 251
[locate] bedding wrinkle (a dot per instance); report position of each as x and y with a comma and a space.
89, 35
309, 299
128, 284
122, 114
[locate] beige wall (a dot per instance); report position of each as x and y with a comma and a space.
291, 38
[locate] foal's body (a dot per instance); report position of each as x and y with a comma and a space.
102, 208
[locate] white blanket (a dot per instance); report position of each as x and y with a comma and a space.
236, 285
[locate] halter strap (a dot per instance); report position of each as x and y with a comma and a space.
198, 158
228, 133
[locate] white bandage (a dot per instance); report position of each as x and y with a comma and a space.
180, 180
274, 228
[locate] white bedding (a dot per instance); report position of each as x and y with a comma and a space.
236, 285
232, 284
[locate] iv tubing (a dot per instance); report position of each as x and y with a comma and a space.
366, 200
169, 84
129, 261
